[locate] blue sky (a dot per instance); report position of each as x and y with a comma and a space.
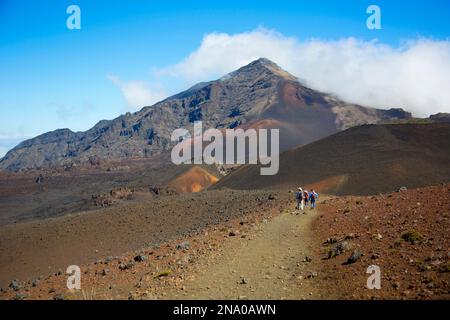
52, 77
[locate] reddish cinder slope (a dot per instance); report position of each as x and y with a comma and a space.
194, 180
404, 233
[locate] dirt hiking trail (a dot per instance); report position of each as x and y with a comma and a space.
274, 261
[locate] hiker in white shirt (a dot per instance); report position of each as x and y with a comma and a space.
299, 197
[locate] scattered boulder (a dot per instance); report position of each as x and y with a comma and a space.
338, 249
311, 274
233, 233
307, 259
183, 246
108, 259
126, 266
355, 256
15, 285
402, 189
140, 258
377, 236
155, 189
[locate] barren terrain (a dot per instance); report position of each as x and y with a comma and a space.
38, 248
363, 160
70, 190
272, 251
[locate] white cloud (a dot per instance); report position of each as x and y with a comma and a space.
138, 94
414, 75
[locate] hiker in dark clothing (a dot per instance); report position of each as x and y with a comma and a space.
299, 197
40, 179
306, 198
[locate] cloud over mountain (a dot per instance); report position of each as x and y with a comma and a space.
414, 75
138, 93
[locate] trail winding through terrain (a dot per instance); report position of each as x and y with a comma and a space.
269, 263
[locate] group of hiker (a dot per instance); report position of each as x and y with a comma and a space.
305, 198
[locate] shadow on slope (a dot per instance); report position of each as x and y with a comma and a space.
362, 160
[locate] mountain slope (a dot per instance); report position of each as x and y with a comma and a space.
363, 160
260, 94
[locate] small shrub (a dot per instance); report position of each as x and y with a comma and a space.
164, 273
412, 237
424, 267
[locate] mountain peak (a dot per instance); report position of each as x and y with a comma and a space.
261, 65
258, 95
264, 62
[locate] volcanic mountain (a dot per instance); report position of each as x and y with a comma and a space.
258, 95
363, 160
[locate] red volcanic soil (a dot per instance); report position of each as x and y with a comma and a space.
162, 269
262, 124
363, 160
176, 247
377, 227
70, 190
41, 247
194, 180
301, 114
325, 185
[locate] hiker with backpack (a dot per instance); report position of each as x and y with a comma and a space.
306, 198
299, 197
313, 197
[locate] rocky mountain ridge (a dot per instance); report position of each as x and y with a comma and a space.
258, 95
